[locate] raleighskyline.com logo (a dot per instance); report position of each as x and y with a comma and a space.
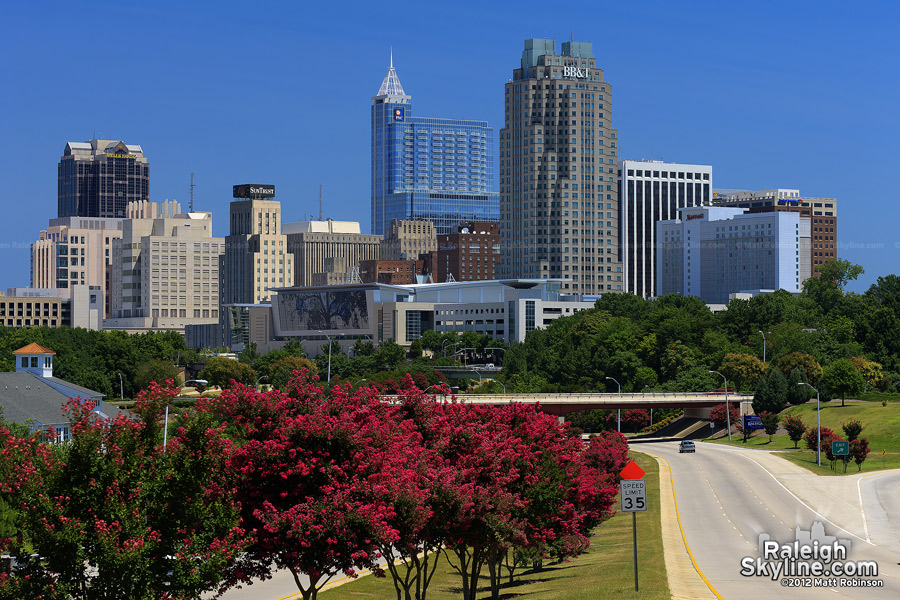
813, 559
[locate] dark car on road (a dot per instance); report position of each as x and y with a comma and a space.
687, 446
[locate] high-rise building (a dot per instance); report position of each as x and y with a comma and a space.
428, 168
821, 211
559, 209
712, 252
98, 178
256, 256
75, 251
326, 252
407, 240
651, 191
165, 273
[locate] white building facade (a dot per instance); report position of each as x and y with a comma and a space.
712, 252
649, 192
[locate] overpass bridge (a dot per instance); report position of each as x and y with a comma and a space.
564, 404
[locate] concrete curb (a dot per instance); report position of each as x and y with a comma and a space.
685, 582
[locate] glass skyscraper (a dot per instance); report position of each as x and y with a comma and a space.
428, 168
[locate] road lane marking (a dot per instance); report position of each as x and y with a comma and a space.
681, 529
814, 511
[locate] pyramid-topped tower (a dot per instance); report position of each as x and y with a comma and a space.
391, 90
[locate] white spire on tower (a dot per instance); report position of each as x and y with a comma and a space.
391, 89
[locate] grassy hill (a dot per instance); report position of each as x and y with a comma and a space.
882, 429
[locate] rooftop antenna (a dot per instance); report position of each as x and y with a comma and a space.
572, 35
320, 191
191, 201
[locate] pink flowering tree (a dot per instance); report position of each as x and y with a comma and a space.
309, 471
111, 514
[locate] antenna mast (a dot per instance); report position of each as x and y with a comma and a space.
191, 201
320, 201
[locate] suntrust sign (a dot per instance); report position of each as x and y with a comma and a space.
254, 190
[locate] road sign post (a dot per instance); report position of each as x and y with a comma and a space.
634, 500
841, 448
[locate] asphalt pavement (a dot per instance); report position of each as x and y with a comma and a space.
726, 497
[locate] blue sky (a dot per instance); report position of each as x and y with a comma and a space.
772, 94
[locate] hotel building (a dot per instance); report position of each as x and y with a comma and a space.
821, 211
652, 191
713, 252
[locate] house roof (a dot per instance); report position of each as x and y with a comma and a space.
33, 348
25, 398
30, 399
77, 388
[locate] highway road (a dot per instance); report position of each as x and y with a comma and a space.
727, 497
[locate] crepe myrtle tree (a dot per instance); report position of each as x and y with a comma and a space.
111, 514
309, 468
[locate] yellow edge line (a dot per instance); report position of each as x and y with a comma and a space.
681, 529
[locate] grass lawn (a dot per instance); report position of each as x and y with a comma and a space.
881, 428
604, 572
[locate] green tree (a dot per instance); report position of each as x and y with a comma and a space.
842, 379
415, 349
219, 371
249, 354
294, 347
794, 360
742, 368
644, 377
157, 370
839, 272
283, 370
796, 393
770, 423
390, 355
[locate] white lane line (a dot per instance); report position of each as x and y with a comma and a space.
798, 499
862, 509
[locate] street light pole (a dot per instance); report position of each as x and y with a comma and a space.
727, 407
764, 344
329, 353
260, 379
121, 388
619, 413
818, 426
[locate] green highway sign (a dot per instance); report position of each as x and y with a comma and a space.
840, 447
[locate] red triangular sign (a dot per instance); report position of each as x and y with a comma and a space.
632, 471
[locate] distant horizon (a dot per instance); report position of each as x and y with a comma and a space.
771, 95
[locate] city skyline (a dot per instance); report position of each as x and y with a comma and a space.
235, 97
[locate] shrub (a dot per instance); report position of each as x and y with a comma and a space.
859, 450
717, 416
795, 428
827, 435
852, 429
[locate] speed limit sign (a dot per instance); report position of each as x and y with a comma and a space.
634, 495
